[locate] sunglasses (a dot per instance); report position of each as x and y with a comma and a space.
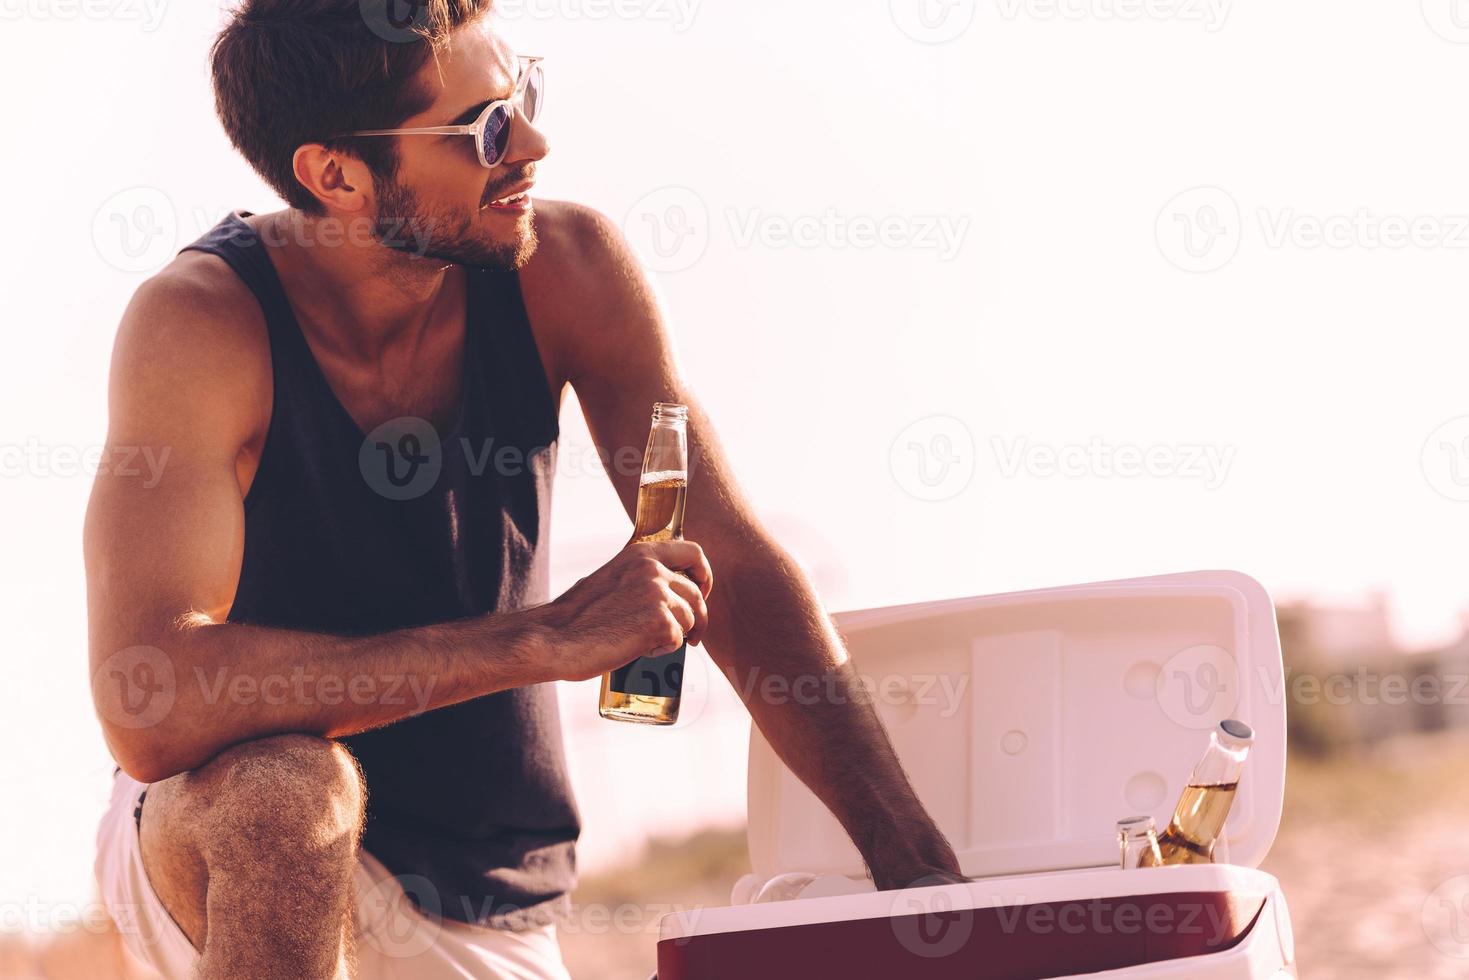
491, 131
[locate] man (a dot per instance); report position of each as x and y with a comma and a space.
322, 644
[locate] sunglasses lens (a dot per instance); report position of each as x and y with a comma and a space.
497, 134
535, 93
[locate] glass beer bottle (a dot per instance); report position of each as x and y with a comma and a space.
1137, 842
1198, 820
646, 691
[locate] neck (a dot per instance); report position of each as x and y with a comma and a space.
358, 296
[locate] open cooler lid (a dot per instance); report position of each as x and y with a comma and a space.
1030, 722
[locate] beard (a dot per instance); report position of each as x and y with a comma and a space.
405, 224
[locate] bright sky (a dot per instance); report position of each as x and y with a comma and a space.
939, 297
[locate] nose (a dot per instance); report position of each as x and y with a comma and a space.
527, 143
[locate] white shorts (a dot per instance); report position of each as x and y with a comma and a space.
394, 940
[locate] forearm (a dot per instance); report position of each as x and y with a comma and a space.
775, 643
219, 684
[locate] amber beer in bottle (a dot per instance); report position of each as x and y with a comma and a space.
1198, 820
646, 691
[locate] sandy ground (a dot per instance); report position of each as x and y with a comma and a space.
1372, 855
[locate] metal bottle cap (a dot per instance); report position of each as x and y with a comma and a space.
1237, 731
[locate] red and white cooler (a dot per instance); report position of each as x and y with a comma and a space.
1029, 723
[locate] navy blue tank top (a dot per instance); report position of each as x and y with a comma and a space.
354, 533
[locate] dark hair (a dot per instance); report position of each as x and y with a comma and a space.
290, 72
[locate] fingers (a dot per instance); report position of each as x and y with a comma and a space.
683, 571
686, 557
688, 605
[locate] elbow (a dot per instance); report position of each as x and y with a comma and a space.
142, 705
143, 755
145, 773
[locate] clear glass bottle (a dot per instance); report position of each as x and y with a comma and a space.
1198, 820
646, 691
1137, 839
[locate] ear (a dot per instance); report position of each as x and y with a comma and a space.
340, 182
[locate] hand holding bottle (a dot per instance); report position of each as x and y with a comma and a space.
642, 603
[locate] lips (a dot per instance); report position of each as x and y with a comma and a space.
515, 198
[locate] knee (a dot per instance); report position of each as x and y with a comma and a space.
294, 791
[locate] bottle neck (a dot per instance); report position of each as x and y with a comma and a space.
1222, 764
667, 453
670, 413
1137, 839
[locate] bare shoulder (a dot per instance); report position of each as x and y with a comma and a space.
193, 337
575, 238
195, 306
584, 289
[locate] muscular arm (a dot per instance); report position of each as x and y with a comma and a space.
764, 617
174, 683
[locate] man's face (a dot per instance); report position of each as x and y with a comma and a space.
443, 203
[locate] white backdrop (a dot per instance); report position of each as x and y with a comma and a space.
982, 296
